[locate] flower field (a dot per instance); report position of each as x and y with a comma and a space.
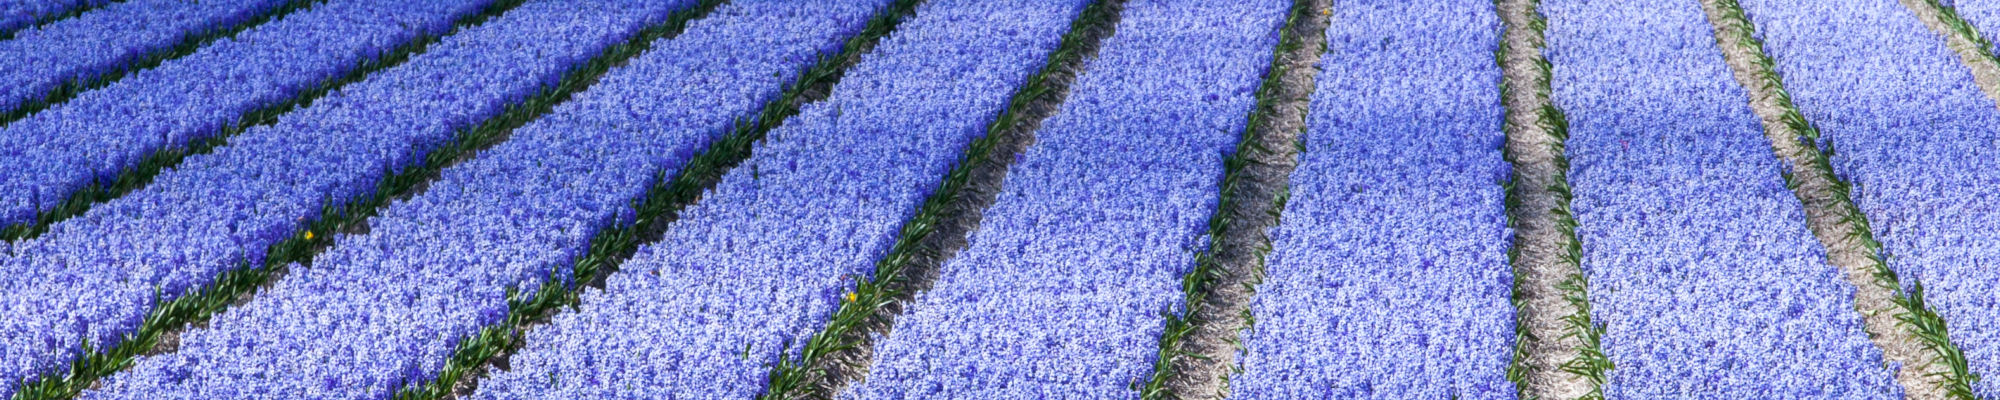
999, 199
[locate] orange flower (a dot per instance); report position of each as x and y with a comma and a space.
850, 297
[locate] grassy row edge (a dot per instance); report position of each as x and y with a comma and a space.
1199, 282
200, 303
45, 20
659, 206
190, 42
140, 174
1957, 379
803, 377
1591, 363
1961, 28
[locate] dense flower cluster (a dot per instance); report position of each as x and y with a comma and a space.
385, 308
100, 132
20, 14
517, 135
95, 276
1388, 276
104, 40
1702, 268
1914, 134
1060, 293
759, 264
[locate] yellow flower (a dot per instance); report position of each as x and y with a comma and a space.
309, 235
850, 297
1326, 11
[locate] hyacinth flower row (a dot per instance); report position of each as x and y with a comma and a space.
1707, 282
1391, 255
1984, 16
104, 134
1085, 246
1901, 119
16, 15
94, 277
1703, 270
381, 309
757, 266
841, 352
72, 54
